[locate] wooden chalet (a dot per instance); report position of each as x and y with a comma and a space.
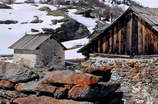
135, 32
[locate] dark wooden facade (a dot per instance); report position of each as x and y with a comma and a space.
128, 35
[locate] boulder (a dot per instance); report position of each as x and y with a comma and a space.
6, 84
45, 100
8, 22
16, 73
70, 77
34, 30
54, 22
92, 92
71, 30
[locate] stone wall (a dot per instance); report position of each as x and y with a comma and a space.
21, 85
25, 59
50, 54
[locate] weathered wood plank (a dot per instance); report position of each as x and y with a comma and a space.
134, 36
114, 41
129, 36
111, 42
140, 39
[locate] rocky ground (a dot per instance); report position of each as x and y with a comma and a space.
138, 77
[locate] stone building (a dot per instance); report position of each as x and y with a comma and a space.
38, 51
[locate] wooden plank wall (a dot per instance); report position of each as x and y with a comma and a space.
114, 40
128, 36
147, 39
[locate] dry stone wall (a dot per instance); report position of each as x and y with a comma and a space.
21, 85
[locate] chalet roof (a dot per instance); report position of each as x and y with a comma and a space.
149, 15
31, 42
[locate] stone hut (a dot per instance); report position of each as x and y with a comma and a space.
38, 51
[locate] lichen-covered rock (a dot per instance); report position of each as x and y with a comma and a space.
16, 73
92, 92
70, 77
6, 84
45, 100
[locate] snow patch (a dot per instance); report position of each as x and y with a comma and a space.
73, 43
88, 22
72, 54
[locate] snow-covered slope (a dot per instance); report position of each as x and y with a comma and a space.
23, 13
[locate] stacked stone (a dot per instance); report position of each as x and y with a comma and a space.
20, 85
